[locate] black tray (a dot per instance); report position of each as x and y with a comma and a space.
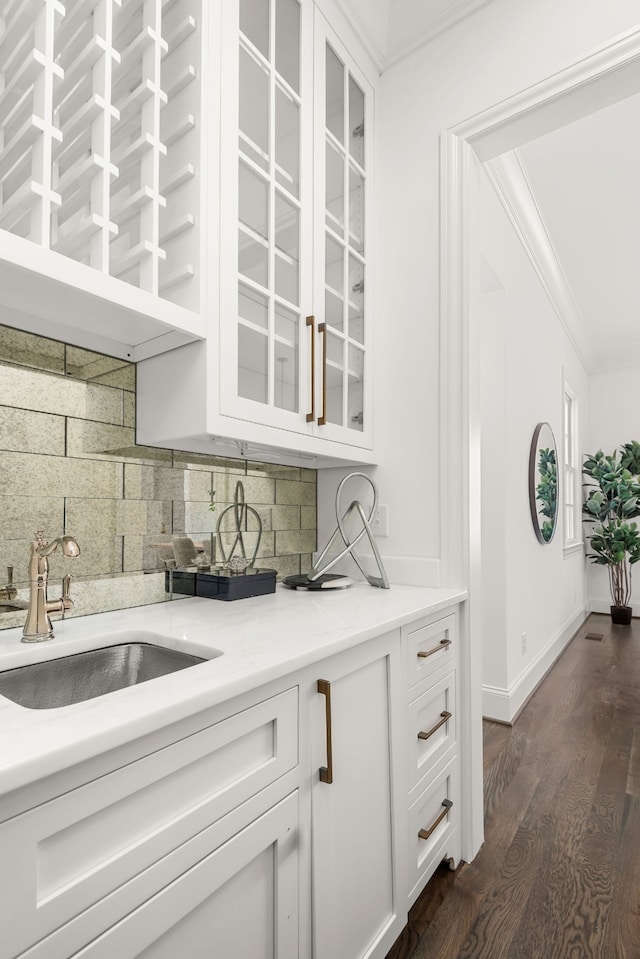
184, 581
220, 584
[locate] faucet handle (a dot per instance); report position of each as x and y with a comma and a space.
9, 575
66, 602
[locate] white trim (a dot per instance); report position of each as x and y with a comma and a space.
431, 28
503, 705
513, 187
607, 75
571, 465
573, 549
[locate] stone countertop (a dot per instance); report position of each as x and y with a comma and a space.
261, 639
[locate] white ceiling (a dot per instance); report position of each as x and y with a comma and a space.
393, 28
585, 178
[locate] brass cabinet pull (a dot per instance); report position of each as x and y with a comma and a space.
425, 833
422, 653
444, 717
326, 772
311, 321
322, 328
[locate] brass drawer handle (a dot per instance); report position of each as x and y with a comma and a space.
322, 328
311, 321
423, 653
444, 717
326, 772
425, 833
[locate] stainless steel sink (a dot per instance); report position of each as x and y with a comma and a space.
74, 679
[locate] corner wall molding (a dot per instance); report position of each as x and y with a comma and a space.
515, 191
432, 28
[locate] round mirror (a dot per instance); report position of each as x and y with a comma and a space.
543, 483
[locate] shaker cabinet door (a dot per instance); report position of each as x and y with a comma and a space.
355, 804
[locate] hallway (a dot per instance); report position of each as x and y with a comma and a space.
558, 876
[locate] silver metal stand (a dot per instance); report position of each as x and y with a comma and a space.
318, 570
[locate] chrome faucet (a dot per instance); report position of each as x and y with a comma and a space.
38, 625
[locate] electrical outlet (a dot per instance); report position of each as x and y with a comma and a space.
380, 521
524, 643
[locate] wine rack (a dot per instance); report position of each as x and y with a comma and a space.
100, 136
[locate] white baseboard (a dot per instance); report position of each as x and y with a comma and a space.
503, 705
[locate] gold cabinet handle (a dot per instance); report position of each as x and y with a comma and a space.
425, 833
423, 653
444, 717
311, 321
322, 328
326, 772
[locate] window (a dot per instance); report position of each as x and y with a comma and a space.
571, 504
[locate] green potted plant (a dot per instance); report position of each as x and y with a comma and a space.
613, 499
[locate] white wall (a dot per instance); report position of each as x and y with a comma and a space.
500, 50
528, 587
614, 419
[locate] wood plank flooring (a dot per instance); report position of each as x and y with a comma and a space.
558, 876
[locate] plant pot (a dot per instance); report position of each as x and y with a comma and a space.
621, 615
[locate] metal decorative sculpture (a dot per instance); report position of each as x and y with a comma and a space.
241, 510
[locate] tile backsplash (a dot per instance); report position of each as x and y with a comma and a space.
69, 463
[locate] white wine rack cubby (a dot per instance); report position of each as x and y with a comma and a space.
100, 137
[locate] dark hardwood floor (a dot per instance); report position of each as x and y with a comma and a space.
558, 876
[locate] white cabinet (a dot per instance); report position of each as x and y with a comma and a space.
101, 181
357, 803
240, 900
430, 649
299, 821
287, 361
85, 860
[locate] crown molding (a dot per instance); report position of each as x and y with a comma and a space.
432, 27
361, 28
515, 191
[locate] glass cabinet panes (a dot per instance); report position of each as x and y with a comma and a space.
255, 18
287, 261
286, 366
334, 265
287, 142
356, 209
335, 378
253, 227
355, 396
335, 95
254, 110
335, 190
269, 207
253, 364
344, 199
356, 122
288, 42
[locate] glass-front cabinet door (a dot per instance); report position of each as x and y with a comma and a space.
266, 241
343, 134
296, 175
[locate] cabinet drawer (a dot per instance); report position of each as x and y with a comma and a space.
433, 725
433, 827
430, 647
68, 854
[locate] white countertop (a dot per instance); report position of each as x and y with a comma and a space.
261, 639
